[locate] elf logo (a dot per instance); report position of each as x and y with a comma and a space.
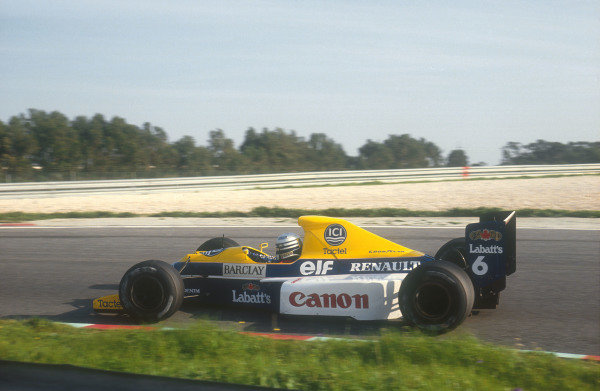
309, 268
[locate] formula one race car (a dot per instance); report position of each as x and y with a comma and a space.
338, 270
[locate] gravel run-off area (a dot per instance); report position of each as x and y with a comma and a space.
570, 193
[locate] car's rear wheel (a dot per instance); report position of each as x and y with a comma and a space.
151, 291
436, 297
217, 243
454, 251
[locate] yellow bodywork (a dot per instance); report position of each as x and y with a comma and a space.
358, 243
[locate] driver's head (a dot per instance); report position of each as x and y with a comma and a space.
288, 247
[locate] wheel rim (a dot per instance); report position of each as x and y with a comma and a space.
433, 301
147, 293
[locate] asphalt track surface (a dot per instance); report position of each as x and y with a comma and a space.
551, 302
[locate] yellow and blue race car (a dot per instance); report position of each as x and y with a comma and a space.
336, 269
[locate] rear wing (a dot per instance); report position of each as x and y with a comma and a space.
491, 249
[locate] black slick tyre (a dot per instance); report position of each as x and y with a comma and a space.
217, 243
454, 251
436, 297
151, 291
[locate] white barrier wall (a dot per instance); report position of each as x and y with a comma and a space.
292, 179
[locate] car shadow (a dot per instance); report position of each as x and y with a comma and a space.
233, 318
81, 313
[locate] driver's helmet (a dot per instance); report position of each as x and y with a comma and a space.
288, 247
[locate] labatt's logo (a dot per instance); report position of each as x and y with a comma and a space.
481, 249
485, 234
245, 297
329, 300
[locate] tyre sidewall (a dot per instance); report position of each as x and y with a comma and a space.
170, 283
453, 279
448, 252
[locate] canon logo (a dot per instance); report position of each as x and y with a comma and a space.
329, 300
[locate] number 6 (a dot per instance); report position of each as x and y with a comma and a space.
479, 267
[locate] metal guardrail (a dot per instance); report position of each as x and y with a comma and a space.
37, 189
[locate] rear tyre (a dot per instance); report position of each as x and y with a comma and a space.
151, 291
454, 251
436, 297
217, 243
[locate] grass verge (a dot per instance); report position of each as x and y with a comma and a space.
294, 213
398, 360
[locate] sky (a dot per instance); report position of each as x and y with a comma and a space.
465, 74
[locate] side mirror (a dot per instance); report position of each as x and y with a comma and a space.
263, 246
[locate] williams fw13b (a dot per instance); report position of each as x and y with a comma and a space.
336, 269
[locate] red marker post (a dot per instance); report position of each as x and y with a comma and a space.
465, 171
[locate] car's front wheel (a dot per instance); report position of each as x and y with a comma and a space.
151, 291
436, 297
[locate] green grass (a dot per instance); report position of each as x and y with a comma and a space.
396, 360
294, 213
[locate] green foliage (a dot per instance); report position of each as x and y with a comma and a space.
278, 150
545, 152
393, 360
399, 152
457, 158
48, 146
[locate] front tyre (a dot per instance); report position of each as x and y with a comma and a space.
151, 291
436, 296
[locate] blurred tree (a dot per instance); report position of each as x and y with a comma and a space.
94, 148
17, 146
399, 152
190, 157
275, 150
545, 152
224, 157
325, 154
100, 148
374, 155
457, 158
58, 142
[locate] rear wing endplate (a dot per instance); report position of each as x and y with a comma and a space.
491, 249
